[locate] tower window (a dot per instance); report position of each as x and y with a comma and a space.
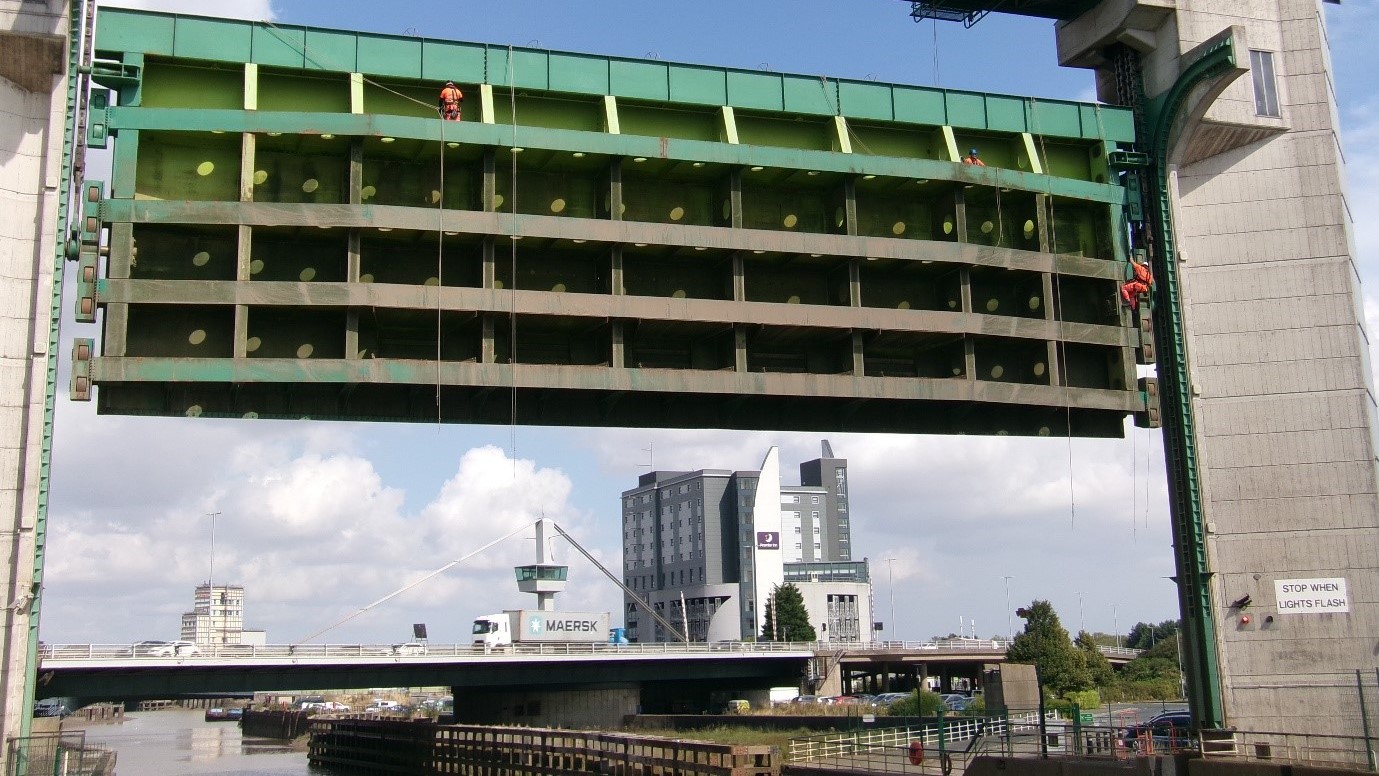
1266, 85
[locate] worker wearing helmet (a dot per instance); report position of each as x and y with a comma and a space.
1131, 290
972, 158
450, 100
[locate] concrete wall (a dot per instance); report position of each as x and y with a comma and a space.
32, 111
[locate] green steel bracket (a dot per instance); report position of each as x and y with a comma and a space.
1127, 160
115, 75
98, 118
85, 303
1149, 388
1215, 59
92, 193
79, 387
1134, 198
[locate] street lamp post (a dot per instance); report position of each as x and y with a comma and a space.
210, 576
1081, 615
890, 582
1010, 630
1115, 621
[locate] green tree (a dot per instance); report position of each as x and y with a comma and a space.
1145, 634
787, 604
1045, 643
1098, 667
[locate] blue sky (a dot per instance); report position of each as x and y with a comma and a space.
318, 519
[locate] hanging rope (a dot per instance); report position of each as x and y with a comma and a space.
440, 268
277, 32
512, 292
1062, 346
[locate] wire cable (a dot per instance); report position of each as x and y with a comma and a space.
452, 564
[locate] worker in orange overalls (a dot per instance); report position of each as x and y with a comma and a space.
972, 158
1130, 290
450, 102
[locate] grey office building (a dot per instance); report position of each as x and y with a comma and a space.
692, 543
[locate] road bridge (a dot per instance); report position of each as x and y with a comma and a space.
662, 677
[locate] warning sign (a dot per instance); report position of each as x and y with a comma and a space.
1312, 596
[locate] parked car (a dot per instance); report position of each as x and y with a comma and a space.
410, 648
887, 698
955, 702
1167, 732
334, 706
165, 649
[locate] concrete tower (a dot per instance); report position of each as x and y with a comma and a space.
1277, 378
34, 95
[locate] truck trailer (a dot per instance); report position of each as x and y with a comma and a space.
522, 626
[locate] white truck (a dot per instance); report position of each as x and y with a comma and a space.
522, 626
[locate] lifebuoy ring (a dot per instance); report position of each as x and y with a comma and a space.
916, 752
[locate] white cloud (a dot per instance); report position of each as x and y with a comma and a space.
310, 528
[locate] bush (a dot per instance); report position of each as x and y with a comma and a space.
923, 704
1143, 690
1084, 699
976, 708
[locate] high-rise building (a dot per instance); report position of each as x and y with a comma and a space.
217, 617
705, 549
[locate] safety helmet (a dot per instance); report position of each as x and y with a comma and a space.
972, 152
452, 83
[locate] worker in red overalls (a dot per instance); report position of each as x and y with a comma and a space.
1130, 290
973, 158
450, 100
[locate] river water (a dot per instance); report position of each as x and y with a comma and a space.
175, 742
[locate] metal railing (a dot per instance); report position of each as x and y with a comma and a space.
59, 753
415, 650
942, 744
1289, 748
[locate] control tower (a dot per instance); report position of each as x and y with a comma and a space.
543, 577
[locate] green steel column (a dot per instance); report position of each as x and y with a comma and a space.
74, 45
1180, 446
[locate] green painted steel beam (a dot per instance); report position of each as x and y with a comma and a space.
1200, 663
602, 379
125, 31
344, 125
596, 230
601, 306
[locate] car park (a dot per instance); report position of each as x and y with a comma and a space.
887, 698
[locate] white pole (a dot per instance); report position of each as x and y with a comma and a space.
890, 583
1010, 631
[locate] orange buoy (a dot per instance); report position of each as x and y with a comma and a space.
916, 752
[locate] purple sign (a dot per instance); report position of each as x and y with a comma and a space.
768, 540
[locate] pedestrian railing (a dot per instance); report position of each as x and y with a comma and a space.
939, 745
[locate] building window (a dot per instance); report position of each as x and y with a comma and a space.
816, 499
1266, 85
